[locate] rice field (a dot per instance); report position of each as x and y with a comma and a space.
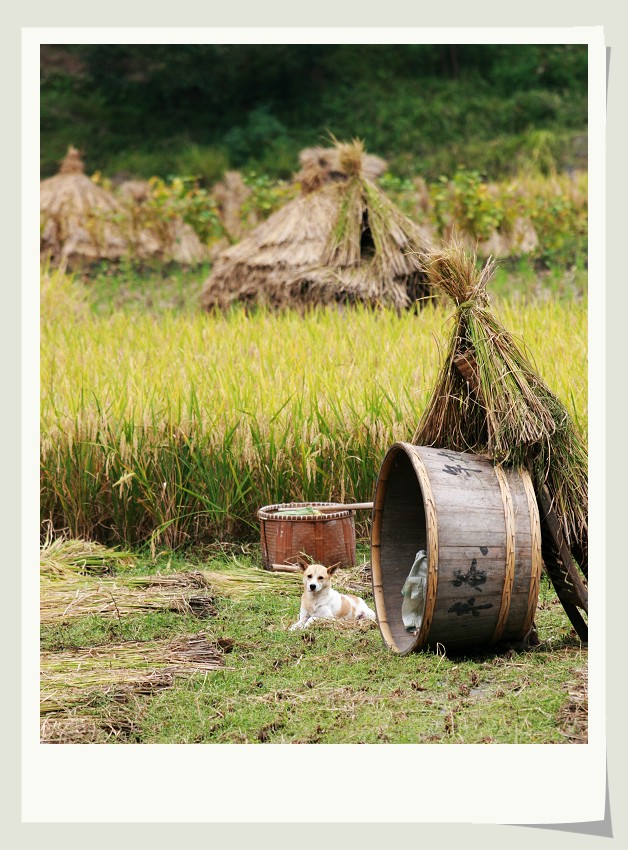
174, 428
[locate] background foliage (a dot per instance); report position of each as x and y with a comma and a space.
160, 110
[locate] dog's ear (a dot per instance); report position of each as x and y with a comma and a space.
331, 570
303, 562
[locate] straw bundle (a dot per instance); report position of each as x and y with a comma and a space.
237, 581
80, 676
137, 191
489, 399
78, 219
183, 245
230, 194
342, 240
324, 165
65, 601
66, 558
521, 238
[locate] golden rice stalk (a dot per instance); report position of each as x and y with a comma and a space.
61, 296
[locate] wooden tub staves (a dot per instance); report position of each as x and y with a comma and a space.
479, 525
328, 538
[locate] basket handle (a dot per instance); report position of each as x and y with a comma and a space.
331, 509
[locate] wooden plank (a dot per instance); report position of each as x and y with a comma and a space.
550, 520
577, 621
450, 535
468, 521
447, 494
464, 552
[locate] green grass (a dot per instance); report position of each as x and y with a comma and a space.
335, 684
160, 290
519, 280
94, 630
147, 289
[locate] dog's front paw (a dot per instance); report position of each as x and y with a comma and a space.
297, 625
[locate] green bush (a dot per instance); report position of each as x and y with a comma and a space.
205, 163
260, 131
465, 201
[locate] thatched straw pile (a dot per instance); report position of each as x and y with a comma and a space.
490, 400
79, 220
183, 245
136, 191
320, 166
230, 194
342, 240
156, 232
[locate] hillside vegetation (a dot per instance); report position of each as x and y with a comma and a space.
200, 109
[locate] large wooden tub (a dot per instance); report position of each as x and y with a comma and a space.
479, 525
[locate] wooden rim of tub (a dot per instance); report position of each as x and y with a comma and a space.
432, 548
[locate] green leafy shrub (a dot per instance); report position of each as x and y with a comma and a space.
466, 202
207, 164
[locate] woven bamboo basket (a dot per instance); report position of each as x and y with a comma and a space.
479, 525
328, 539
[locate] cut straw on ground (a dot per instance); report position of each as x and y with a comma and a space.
83, 676
71, 728
185, 593
61, 557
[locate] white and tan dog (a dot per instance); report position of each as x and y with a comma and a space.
321, 602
